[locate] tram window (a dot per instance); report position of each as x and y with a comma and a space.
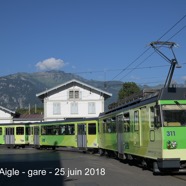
70, 129
108, 128
0, 130
98, 127
110, 125
20, 131
152, 116
31, 130
113, 127
49, 130
92, 128
43, 130
67, 129
104, 126
126, 122
157, 119
9, 131
136, 120
62, 130
101, 126
120, 120
56, 130
36, 130
174, 115
27, 130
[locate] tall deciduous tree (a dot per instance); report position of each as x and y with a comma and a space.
128, 89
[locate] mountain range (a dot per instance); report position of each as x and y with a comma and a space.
19, 90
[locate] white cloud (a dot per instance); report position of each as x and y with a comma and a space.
50, 64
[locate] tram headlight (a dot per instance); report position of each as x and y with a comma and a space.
171, 144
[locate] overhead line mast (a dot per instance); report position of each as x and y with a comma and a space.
174, 63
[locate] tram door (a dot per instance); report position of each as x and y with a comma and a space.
144, 124
82, 136
9, 135
36, 136
119, 128
137, 128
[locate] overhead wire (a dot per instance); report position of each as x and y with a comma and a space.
136, 59
130, 64
172, 27
151, 54
158, 40
111, 70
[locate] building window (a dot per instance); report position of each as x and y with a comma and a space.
91, 108
74, 94
71, 94
56, 108
74, 108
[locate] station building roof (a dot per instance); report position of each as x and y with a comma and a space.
72, 83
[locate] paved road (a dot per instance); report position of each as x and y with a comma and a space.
26, 167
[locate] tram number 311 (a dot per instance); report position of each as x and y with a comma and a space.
171, 133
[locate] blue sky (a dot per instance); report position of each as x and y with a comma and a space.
96, 39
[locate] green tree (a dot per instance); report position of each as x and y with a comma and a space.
128, 89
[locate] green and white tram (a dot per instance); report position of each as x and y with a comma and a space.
151, 128
14, 135
77, 133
